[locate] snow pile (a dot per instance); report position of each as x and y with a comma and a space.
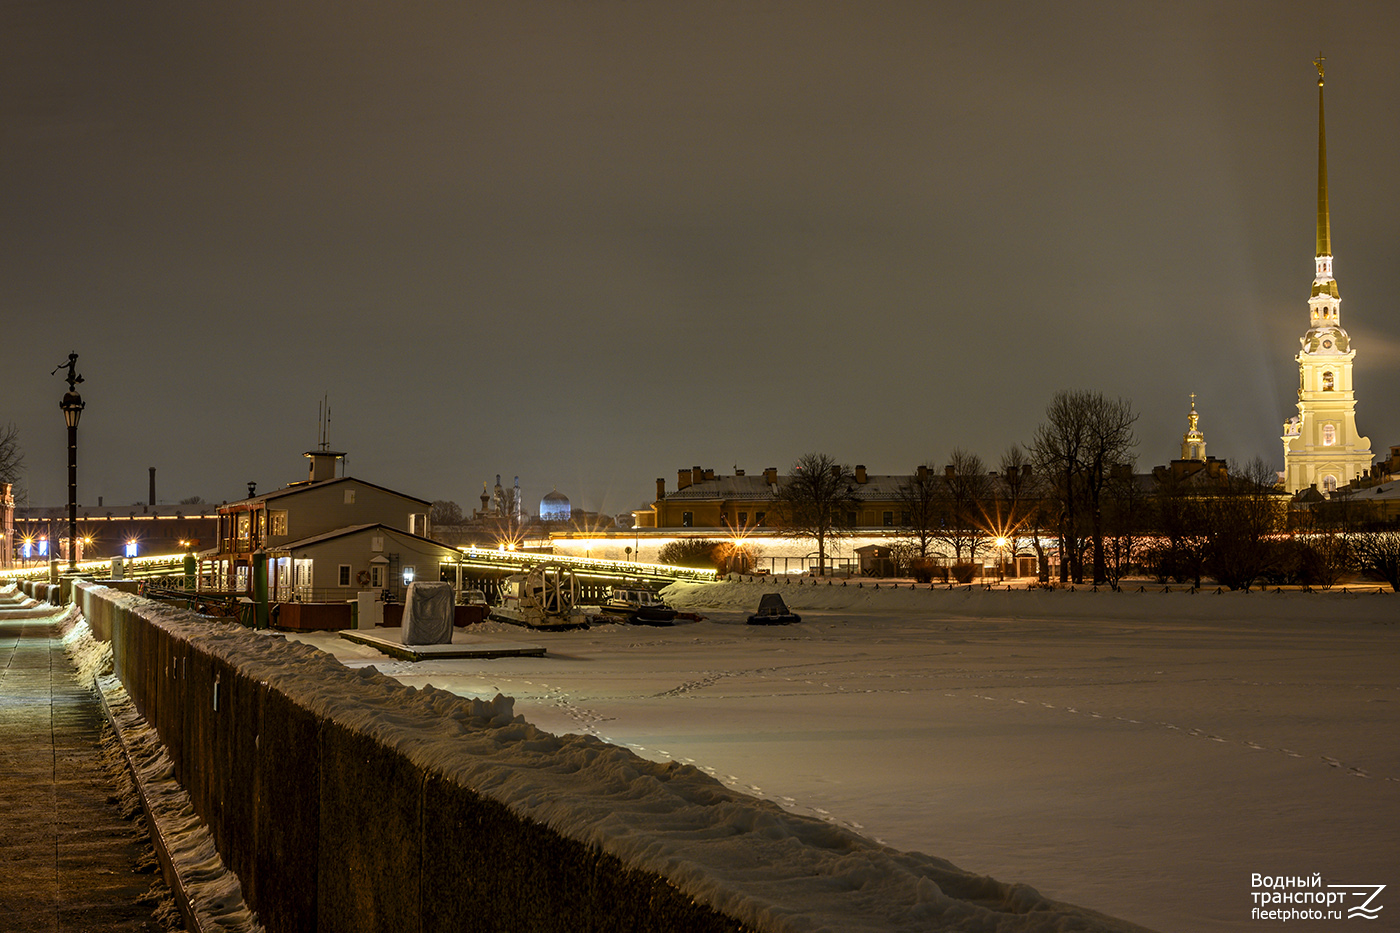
214, 893
748, 858
12, 599
1152, 603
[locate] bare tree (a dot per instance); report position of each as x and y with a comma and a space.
1127, 516
1181, 514
1016, 504
921, 495
966, 494
1378, 552
1244, 520
1084, 436
11, 457
444, 512
814, 501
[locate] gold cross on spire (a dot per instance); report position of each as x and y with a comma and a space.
1318, 62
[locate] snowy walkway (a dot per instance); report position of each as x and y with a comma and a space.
69, 859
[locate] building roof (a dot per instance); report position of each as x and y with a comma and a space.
98, 513
296, 488
357, 529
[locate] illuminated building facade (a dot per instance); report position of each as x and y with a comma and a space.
703, 499
1321, 446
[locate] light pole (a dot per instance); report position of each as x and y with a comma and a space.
72, 406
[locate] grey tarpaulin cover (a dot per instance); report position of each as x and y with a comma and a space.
427, 614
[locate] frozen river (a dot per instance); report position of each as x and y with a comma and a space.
1141, 755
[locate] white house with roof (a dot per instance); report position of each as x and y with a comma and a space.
323, 508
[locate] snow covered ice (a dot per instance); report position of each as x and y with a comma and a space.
1137, 754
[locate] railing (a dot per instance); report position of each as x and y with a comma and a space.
522, 560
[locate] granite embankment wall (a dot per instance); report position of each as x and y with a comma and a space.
328, 820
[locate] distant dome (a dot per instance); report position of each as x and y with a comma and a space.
554, 507
1329, 339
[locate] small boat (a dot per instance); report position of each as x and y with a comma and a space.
773, 611
638, 604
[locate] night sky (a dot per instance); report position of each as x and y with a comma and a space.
591, 243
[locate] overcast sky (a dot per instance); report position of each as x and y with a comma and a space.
591, 243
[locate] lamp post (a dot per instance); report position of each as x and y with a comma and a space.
72, 406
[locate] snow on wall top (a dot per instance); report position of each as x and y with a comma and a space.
748, 858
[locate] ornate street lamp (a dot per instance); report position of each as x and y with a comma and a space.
72, 406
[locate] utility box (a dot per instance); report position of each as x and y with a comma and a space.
371, 611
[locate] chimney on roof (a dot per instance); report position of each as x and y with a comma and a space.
738, 472
696, 474
770, 475
682, 479
949, 472
660, 487
323, 464
153, 486
922, 473
860, 473
709, 474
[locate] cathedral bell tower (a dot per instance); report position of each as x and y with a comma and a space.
1321, 445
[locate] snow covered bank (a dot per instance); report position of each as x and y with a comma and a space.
348, 795
1179, 604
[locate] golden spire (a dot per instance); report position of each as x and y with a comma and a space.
1324, 224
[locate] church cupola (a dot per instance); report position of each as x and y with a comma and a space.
1193, 442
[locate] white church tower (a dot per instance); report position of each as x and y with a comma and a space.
1321, 445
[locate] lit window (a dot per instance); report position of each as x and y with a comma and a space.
1329, 435
407, 576
131, 548
1327, 382
279, 522
1329, 483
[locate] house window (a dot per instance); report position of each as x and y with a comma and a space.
1329, 483
1329, 435
1327, 382
349, 497
904, 519
850, 519
376, 543
687, 519
758, 517
743, 519
279, 522
376, 576
344, 577
888, 519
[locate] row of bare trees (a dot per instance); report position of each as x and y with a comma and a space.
1074, 489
